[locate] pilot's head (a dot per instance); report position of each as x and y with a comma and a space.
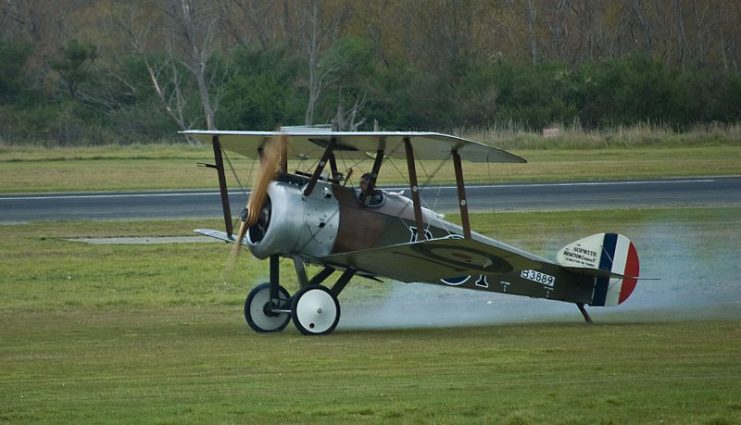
366, 182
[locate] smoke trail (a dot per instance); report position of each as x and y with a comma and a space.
416, 305
697, 266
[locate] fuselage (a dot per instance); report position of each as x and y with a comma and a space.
333, 220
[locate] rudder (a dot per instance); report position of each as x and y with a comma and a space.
610, 252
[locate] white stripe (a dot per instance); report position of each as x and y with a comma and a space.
619, 261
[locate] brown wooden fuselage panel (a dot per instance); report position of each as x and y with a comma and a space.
366, 227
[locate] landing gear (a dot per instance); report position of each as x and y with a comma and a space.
260, 309
315, 310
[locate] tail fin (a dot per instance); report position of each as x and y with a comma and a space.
613, 261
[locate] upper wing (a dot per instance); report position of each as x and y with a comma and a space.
304, 144
432, 260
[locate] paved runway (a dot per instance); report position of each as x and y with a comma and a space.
711, 191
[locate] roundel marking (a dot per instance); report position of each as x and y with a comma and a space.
455, 281
466, 259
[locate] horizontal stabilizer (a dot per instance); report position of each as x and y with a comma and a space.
586, 271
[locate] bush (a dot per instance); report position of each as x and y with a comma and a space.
113, 101
13, 58
262, 93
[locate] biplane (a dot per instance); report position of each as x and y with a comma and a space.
318, 217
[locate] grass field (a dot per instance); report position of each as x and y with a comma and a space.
154, 334
200, 365
25, 169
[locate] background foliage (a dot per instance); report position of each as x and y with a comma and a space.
107, 71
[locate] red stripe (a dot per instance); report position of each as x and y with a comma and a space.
632, 268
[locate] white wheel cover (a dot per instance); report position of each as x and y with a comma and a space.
257, 312
316, 311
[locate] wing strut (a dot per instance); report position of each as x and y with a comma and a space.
462, 202
336, 176
320, 167
374, 175
415, 190
283, 154
218, 158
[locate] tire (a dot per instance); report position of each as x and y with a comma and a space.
315, 310
256, 309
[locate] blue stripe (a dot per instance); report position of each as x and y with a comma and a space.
601, 284
608, 251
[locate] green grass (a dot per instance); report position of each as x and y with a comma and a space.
200, 365
24, 169
155, 334
39, 260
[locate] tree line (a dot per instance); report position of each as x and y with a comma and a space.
113, 71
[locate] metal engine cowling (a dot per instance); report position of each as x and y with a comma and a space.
291, 223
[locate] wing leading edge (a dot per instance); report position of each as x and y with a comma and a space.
358, 145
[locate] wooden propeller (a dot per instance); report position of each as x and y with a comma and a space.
269, 159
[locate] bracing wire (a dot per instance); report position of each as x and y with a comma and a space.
428, 179
236, 177
427, 182
234, 172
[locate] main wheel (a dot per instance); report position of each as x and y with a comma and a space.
315, 310
257, 309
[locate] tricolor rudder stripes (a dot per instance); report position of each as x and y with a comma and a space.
610, 252
619, 256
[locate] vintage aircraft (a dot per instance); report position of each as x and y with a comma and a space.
316, 218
